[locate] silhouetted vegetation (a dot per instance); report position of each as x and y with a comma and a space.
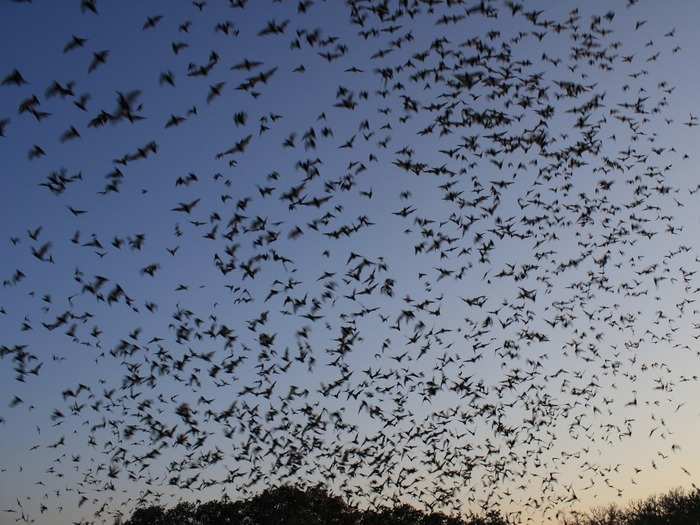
676, 507
293, 506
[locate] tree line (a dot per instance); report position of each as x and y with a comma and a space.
289, 505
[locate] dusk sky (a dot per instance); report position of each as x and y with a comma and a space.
436, 252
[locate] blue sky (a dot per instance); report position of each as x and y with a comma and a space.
627, 356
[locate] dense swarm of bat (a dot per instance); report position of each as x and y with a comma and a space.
449, 286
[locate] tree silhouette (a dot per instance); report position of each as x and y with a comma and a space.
675, 508
289, 505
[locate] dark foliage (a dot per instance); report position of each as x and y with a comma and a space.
293, 506
673, 508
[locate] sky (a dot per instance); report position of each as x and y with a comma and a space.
601, 411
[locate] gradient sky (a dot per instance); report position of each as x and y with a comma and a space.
601, 470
